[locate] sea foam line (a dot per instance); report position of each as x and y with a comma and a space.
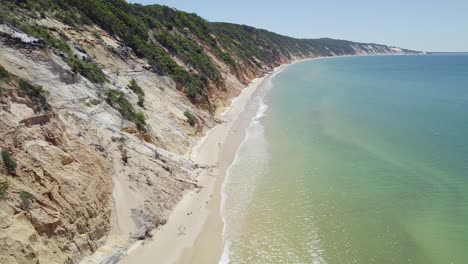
227, 244
261, 112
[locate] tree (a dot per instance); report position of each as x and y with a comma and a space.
133, 85
3, 188
191, 119
3, 73
8, 162
141, 101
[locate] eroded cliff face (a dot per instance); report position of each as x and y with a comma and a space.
92, 176
68, 213
90, 173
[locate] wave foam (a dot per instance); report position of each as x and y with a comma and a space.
254, 141
261, 110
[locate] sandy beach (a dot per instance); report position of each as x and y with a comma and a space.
193, 233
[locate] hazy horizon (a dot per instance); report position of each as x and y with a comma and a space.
415, 25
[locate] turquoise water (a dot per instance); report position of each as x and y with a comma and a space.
355, 160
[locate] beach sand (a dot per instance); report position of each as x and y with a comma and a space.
193, 233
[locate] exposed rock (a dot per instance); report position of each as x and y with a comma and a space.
68, 200
145, 224
38, 120
14, 37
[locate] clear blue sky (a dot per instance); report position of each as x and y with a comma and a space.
431, 25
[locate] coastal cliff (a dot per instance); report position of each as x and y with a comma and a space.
100, 104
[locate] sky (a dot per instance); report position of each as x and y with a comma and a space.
431, 25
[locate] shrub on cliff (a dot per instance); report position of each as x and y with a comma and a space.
34, 91
87, 69
141, 101
139, 119
49, 39
118, 101
37, 94
26, 199
191, 118
190, 51
164, 65
133, 85
3, 73
3, 188
8, 162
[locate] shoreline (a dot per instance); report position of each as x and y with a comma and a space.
194, 230
209, 246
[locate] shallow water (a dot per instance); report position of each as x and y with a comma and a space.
354, 160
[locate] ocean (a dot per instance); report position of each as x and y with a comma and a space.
354, 160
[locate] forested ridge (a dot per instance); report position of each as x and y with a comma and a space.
160, 33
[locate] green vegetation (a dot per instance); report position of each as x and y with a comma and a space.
35, 91
226, 57
141, 101
194, 84
3, 188
159, 33
191, 118
39, 8
87, 69
132, 22
8, 162
37, 94
189, 51
4, 74
96, 35
133, 85
49, 39
26, 196
26, 199
139, 119
117, 100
